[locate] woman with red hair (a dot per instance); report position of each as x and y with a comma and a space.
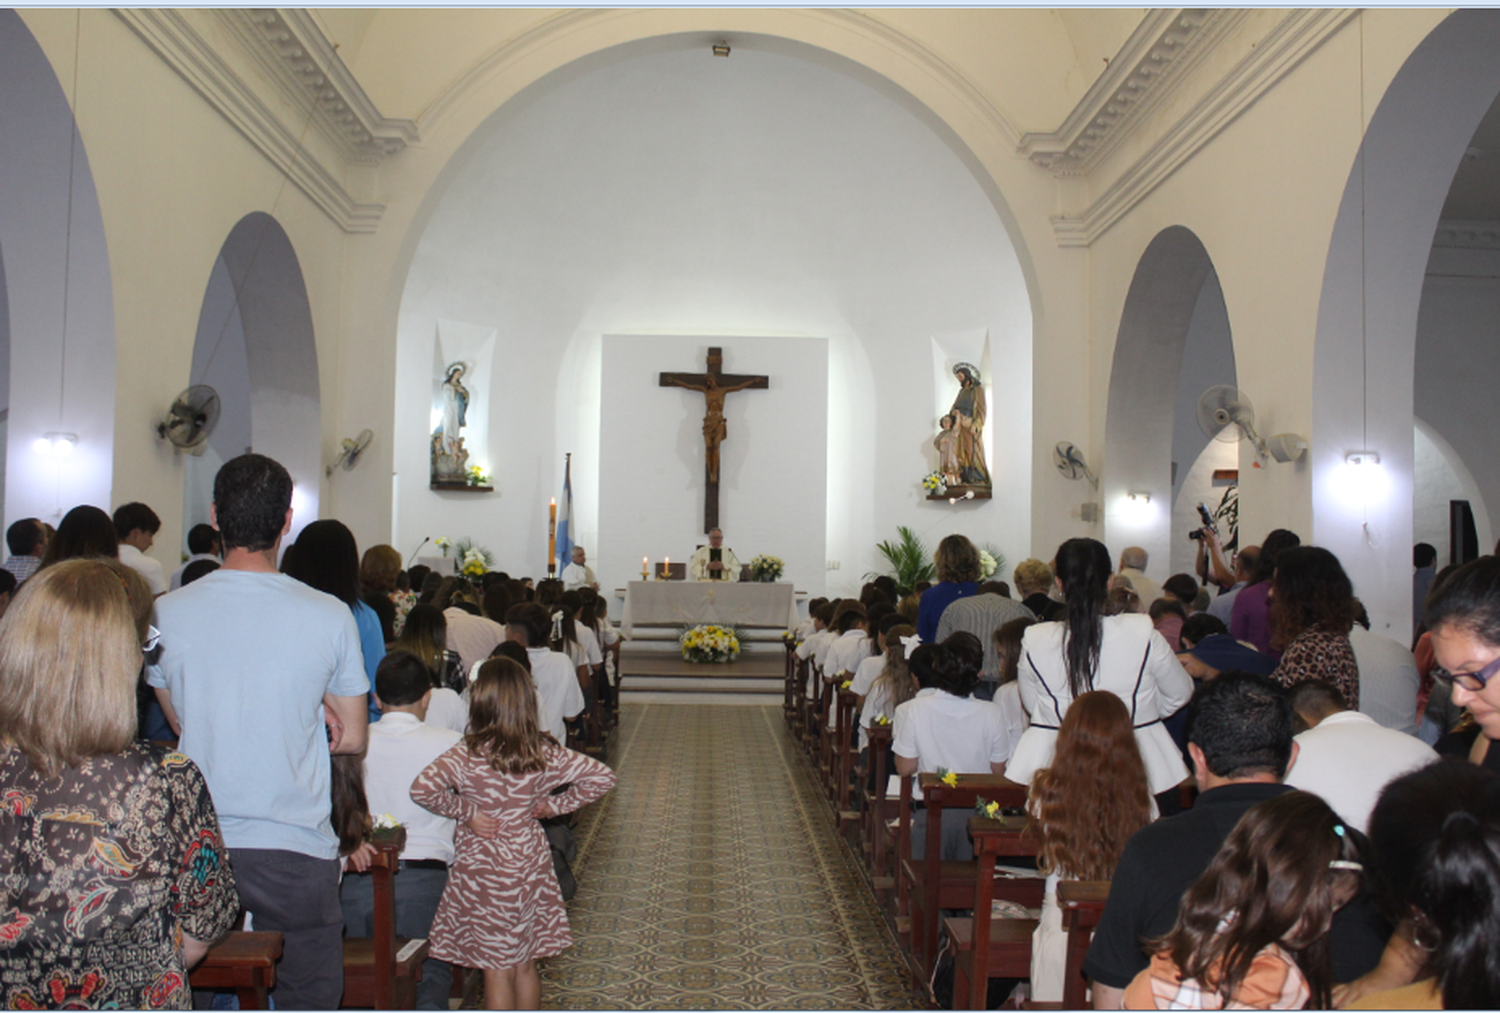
1082, 809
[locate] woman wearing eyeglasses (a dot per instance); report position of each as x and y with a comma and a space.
1463, 614
1464, 617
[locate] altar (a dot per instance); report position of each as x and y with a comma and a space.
688, 603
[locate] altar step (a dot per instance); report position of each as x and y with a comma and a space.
651, 674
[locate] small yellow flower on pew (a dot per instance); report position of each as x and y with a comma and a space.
882, 720
950, 779
846, 684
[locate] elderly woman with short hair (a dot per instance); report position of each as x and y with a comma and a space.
113, 875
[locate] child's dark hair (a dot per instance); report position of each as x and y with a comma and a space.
923, 660
503, 726
1162, 606
1286, 868
851, 614
531, 620
963, 658
401, 679
1008, 647
514, 651
350, 811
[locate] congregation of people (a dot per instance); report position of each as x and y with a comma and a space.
192, 752
1289, 809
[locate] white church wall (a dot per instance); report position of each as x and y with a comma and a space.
1440, 477
174, 177
772, 474
1457, 368
59, 292
837, 215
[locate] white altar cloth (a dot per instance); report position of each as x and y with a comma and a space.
688, 603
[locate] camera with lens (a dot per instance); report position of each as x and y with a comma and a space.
1208, 522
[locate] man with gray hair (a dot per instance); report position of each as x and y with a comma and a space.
1133, 567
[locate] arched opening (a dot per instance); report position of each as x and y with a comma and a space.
255, 347
1367, 340
56, 307
1174, 343
619, 217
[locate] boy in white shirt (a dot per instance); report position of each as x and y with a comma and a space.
530, 625
401, 745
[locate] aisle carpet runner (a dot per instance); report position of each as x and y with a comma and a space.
712, 878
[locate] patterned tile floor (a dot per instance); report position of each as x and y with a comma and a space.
712, 878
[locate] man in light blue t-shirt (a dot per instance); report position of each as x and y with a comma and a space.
262, 677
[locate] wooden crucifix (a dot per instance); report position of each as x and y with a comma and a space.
714, 385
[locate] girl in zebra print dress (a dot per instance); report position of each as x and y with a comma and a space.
502, 908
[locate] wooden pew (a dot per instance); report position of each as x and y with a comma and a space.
988, 947
931, 884
244, 962
789, 704
845, 756
382, 972
1082, 903
879, 842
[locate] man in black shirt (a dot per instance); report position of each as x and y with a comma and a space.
1240, 740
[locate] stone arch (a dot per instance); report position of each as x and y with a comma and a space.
1372, 287
57, 309
1174, 301
255, 346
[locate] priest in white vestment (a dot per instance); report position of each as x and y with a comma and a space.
577, 574
703, 565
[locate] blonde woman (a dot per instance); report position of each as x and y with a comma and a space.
113, 875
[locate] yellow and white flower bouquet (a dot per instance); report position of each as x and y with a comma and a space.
709, 644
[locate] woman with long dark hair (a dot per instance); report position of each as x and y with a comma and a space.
1312, 611
1081, 810
1252, 932
1090, 650
1436, 837
1251, 618
326, 558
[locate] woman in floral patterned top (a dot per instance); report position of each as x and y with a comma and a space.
113, 875
1312, 611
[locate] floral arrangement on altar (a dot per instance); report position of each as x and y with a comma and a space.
934, 484
991, 562
442, 542
767, 569
708, 644
474, 560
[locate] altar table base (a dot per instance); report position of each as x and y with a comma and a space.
688, 603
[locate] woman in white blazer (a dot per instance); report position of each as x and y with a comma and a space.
1088, 650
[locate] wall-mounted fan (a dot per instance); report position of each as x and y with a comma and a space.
191, 418
349, 456
1226, 414
1070, 463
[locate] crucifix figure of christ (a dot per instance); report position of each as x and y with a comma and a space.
714, 385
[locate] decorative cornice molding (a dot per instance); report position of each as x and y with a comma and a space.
183, 49
295, 53
1160, 53
1461, 235
1286, 45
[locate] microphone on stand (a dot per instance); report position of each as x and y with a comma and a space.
417, 550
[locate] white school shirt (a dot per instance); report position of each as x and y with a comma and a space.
400, 748
846, 653
590, 642
448, 710
960, 733
864, 677
557, 686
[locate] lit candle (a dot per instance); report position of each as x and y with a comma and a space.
666, 568
645, 567
552, 536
